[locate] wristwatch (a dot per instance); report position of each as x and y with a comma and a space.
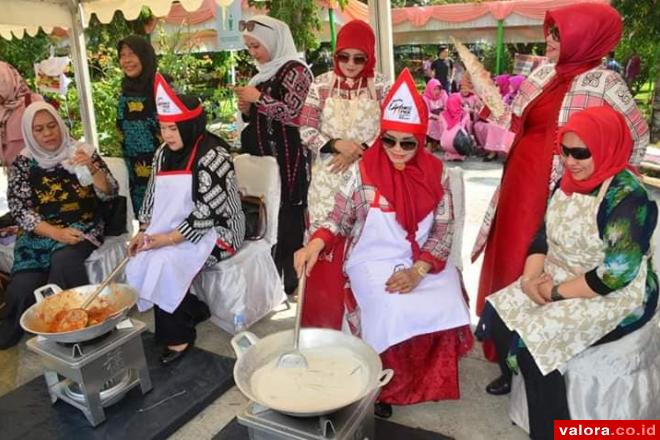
554, 293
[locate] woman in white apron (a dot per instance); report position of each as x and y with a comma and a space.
340, 119
588, 278
191, 217
395, 209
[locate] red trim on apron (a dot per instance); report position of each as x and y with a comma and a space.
188, 169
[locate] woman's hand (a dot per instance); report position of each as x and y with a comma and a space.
136, 244
68, 236
531, 288
340, 163
349, 149
247, 94
545, 287
244, 107
403, 281
307, 255
157, 241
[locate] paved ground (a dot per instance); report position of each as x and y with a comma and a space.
476, 416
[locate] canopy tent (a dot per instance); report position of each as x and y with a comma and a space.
21, 17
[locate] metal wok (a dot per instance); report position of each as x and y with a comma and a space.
119, 297
254, 353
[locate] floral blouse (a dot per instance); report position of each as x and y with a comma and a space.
626, 221
21, 202
349, 216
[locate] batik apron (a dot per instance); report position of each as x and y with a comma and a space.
163, 276
390, 318
356, 119
554, 333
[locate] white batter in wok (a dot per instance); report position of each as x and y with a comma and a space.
335, 378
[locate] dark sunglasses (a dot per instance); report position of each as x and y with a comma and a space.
358, 60
249, 25
407, 145
576, 153
553, 31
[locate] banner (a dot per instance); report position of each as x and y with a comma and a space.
228, 16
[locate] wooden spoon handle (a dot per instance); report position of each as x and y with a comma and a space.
105, 282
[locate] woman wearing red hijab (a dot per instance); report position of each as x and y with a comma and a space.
577, 38
588, 280
340, 119
395, 210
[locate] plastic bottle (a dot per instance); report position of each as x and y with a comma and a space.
239, 323
84, 175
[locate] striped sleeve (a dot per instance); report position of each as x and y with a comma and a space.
144, 217
217, 201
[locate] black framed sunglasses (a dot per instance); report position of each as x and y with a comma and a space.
390, 142
553, 31
358, 60
249, 25
575, 153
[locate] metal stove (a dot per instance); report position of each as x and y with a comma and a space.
95, 374
355, 422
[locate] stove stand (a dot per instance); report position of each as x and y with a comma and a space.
91, 376
355, 422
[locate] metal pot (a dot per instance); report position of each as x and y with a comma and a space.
254, 353
120, 297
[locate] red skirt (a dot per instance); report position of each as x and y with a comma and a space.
425, 367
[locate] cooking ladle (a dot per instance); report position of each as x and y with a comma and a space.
79, 315
294, 358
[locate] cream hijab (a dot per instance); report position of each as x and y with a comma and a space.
46, 159
275, 36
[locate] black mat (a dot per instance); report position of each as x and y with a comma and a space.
26, 413
385, 430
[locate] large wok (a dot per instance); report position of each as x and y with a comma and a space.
120, 297
254, 353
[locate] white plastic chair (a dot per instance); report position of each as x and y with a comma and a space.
247, 284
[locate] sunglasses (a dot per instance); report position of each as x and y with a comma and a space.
406, 145
576, 153
553, 31
249, 25
358, 60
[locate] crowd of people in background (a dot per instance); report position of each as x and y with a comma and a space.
367, 210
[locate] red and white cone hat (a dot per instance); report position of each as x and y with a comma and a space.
168, 106
403, 107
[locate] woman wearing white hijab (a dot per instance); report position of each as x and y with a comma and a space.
271, 105
58, 215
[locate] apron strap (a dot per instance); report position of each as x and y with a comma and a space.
193, 154
603, 190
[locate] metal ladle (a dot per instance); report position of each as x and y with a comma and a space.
294, 358
79, 315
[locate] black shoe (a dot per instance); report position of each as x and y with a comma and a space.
169, 356
383, 410
500, 386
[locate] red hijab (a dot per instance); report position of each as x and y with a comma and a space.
605, 132
416, 190
358, 35
587, 33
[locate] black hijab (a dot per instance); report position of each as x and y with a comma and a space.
190, 131
142, 85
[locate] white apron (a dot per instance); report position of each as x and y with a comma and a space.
356, 119
554, 333
389, 318
163, 276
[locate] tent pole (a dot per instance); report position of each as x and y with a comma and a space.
380, 18
81, 69
333, 31
500, 46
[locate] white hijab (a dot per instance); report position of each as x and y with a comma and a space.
278, 41
46, 159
